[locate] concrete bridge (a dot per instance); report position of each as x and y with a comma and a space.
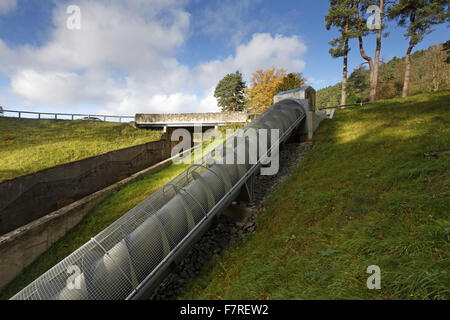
189, 121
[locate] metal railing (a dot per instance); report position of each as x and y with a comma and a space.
359, 104
61, 116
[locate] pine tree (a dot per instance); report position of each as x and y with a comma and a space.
230, 92
340, 15
419, 16
361, 30
291, 81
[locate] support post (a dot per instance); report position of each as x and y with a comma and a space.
310, 124
250, 186
247, 193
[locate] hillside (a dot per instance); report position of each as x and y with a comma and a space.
28, 145
430, 73
364, 195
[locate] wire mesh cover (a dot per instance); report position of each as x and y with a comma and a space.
113, 263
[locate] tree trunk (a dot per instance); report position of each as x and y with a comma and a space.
407, 71
362, 52
369, 60
344, 76
405, 91
345, 70
374, 83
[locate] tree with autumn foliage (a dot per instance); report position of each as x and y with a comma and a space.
263, 86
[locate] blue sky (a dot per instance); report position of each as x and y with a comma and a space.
163, 55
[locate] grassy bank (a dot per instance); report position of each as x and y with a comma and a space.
364, 195
28, 145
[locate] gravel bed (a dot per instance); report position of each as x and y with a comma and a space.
228, 230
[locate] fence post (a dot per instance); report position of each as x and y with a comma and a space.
19, 115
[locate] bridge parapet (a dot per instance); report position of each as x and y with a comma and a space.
190, 119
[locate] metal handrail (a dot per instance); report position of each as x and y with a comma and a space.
72, 115
359, 104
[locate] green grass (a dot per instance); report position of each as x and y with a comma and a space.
364, 195
28, 145
98, 219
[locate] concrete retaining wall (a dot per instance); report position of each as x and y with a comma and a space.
29, 197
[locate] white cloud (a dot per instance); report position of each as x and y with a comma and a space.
51, 86
158, 103
264, 51
123, 47
123, 59
63, 88
229, 19
208, 103
6, 6
233, 21
125, 34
